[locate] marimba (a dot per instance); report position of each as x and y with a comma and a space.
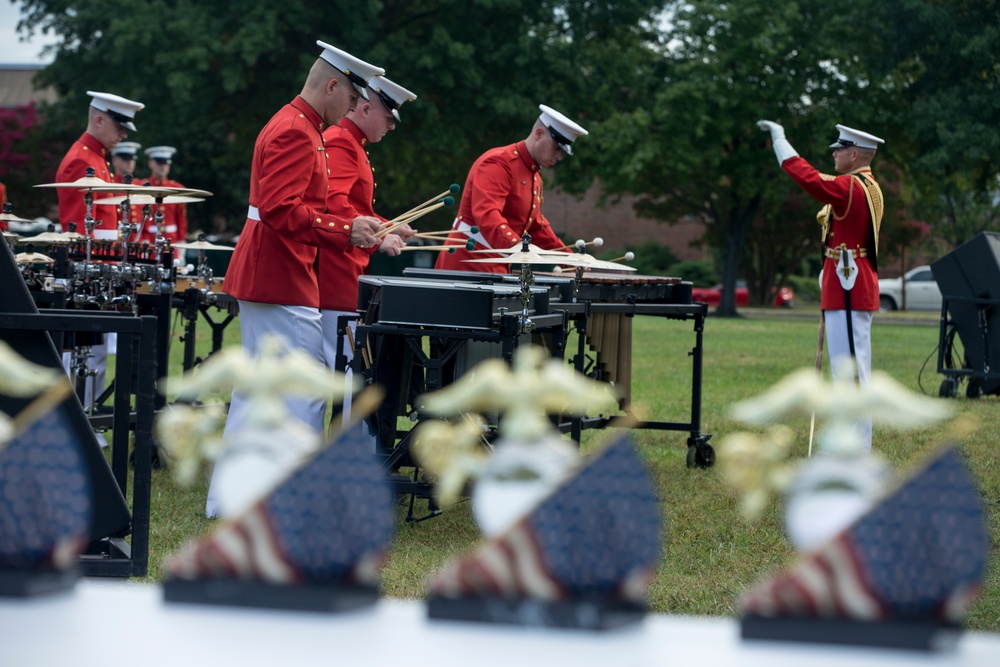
600, 306
461, 323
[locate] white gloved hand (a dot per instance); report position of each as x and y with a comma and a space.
782, 149
777, 132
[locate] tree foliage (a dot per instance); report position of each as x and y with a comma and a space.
212, 72
936, 66
692, 147
669, 90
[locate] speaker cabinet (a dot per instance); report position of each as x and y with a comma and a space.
969, 279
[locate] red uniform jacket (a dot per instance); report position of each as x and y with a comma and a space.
352, 193
174, 216
275, 257
851, 225
503, 197
85, 152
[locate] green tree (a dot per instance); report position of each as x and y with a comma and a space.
936, 64
691, 147
211, 73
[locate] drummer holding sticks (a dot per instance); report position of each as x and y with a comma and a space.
273, 271
352, 193
503, 194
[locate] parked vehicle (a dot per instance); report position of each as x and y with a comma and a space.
784, 297
922, 291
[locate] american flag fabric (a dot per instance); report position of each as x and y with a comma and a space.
45, 503
597, 535
331, 521
920, 554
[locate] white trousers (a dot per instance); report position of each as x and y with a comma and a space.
838, 347
302, 328
330, 320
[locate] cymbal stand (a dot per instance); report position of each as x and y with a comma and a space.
526, 280
83, 375
162, 283
128, 273
88, 270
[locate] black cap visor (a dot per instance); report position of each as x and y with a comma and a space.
120, 118
389, 103
564, 144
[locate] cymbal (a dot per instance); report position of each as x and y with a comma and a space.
192, 192
10, 217
203, 245
591, 262
82, 183
517, 248
51, 237
135, 189
143, 199
525, 258
11, 237
32, 258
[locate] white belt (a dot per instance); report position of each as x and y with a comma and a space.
253, 213
465, 228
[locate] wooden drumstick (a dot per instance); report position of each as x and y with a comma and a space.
452, 190
406, 218
450, 247
440, 235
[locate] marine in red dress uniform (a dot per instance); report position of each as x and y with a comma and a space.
851, 219
503, 194
273, 269
352, 189
351, 193
123, 158
110, 117
174, 226
850, 226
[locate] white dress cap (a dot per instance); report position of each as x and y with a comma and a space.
129, 148
161, 153
391, 93
851, 137
121, 110
357, 70
563, 130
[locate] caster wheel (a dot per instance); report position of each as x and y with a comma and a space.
973, 390
700, 456
949, 388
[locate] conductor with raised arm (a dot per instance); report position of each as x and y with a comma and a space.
850, 219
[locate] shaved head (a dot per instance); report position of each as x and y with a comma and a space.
320, 73
329, 92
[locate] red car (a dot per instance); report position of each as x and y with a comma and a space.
783, 296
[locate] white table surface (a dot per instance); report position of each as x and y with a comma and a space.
116, 622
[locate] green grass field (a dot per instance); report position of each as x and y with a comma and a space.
710, 554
